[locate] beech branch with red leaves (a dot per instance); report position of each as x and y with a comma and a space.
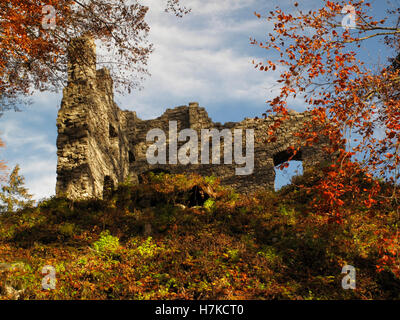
347, 97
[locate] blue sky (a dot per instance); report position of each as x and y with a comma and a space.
205, 57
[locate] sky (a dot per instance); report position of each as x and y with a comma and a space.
206, 57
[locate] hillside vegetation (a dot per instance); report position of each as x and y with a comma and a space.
186, 237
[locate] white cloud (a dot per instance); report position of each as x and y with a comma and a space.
212, 7
43, 186
205, 57
39, 174
29, 138
17, 135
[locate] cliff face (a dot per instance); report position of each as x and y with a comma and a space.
100, 145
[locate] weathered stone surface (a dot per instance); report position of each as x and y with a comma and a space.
100, 145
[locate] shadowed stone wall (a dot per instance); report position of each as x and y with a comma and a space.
100, 145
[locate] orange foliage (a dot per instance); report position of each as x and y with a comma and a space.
268, 245
33, 52
321, 64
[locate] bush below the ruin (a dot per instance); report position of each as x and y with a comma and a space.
187, 237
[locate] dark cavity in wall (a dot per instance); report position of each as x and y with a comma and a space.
197, 197
131, 157
108, 187
284, 156
112, 132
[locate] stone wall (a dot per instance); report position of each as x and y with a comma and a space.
100, 145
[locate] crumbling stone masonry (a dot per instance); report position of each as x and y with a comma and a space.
100, 145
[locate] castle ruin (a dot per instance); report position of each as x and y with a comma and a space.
100, 145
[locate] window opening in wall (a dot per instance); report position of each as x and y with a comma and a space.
285, 176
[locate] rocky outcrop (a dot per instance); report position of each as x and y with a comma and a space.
99, 145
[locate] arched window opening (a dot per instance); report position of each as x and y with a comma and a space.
285, 176
284, 156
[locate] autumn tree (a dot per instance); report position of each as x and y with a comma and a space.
34, 36
14, 194
355, 105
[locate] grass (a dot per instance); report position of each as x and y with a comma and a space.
153, 241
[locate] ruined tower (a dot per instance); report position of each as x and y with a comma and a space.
91, 146
100, 145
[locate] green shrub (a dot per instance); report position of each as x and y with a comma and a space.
209, 204
107, 244
147, 248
